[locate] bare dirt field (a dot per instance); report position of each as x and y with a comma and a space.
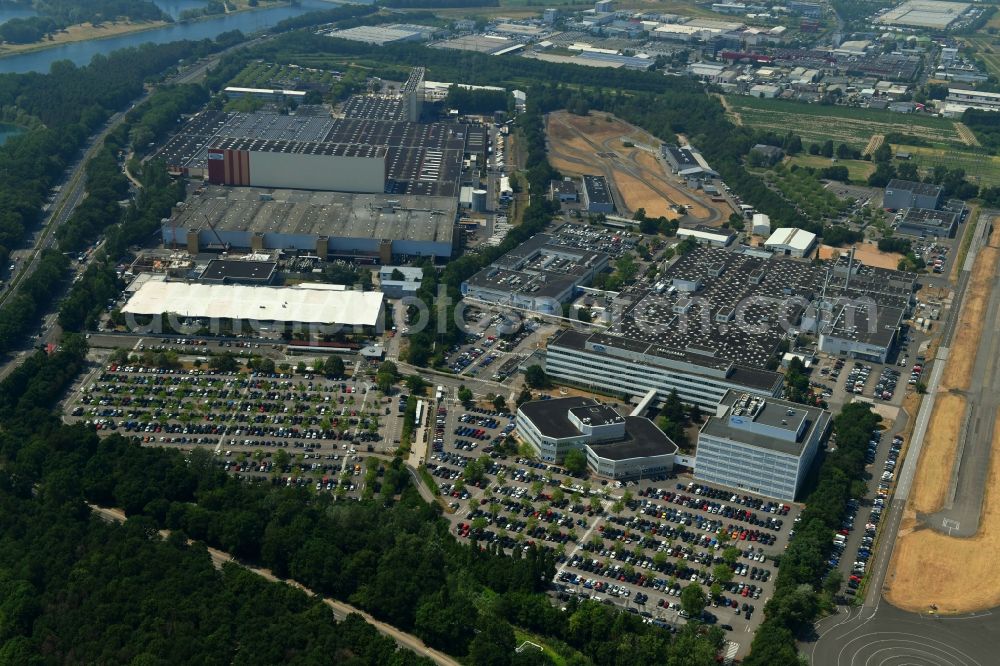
956, 575
970, 326
864, 252
937, 456
639, 195
597, 144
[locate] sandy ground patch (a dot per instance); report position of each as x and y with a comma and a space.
956, 575
649, 161
638, 194
565, 167
866, 253
937, 457
970, 326
871, 255
578, 145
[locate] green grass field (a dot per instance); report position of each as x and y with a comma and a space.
987, 48
816, 123
858, 170
979, 169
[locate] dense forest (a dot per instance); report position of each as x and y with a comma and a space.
55, 15
68, 104
118, 594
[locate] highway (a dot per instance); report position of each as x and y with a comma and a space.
72, 192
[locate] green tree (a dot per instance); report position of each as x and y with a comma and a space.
575, 462
499, 404
693, 600
465, 395
416, 384
722, 572
333, 368
494, 642
535, 377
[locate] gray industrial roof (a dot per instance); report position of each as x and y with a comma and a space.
419, 218
597, 189
299, 147
914, 186
223, 269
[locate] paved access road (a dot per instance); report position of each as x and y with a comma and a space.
961, 513
886, 635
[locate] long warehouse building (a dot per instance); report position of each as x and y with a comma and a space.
304, 303
377, 228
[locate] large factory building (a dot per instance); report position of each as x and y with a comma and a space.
377, 228
307, 165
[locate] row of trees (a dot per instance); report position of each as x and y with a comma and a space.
801, 589
54, 15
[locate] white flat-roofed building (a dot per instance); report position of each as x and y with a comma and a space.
791, 241
977, 99
381, 34
761, 445
236, 92
709, 235
305, 303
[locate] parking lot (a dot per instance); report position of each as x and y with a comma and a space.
636, 545
487, 353
302, 430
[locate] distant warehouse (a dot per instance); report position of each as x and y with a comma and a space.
716, 237
923, 222
686, 161
537, 275
900, 194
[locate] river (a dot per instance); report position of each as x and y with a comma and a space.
80, 53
